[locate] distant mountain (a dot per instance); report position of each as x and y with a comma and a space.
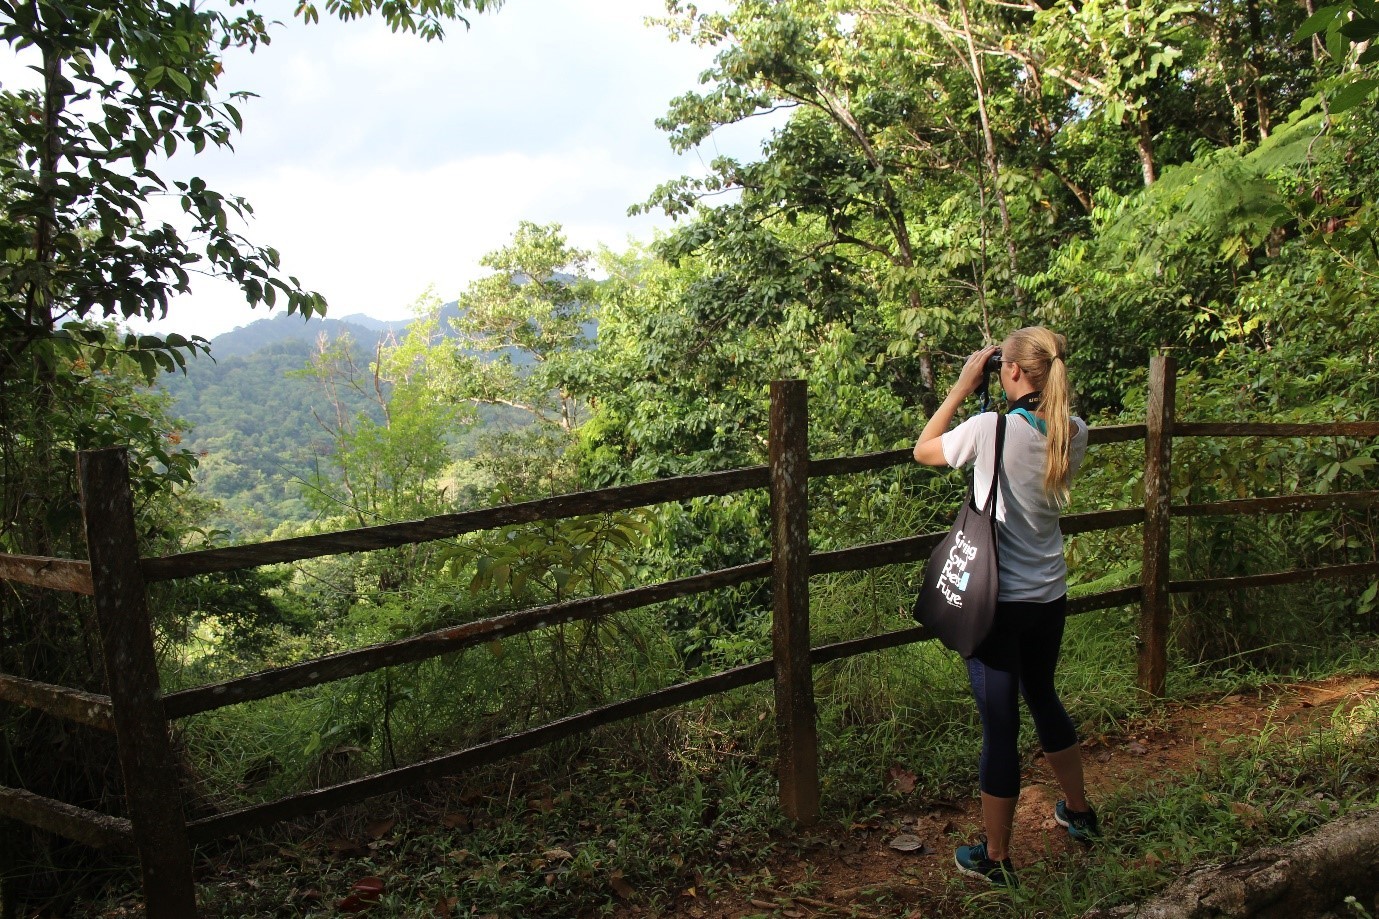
281, 328
262, 428
380, 325
258, 426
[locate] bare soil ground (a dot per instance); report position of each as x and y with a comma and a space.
872, 869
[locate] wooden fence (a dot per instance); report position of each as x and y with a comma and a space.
139, 713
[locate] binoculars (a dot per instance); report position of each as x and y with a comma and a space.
992, 365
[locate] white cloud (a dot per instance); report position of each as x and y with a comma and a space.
378, 164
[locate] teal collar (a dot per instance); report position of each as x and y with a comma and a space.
1037, 422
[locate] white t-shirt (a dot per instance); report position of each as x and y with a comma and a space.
1028, 540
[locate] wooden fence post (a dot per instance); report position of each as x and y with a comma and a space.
795, 718
1155, 608
152, 791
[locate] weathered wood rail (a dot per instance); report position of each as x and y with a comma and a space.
139, 713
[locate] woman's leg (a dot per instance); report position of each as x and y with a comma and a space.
998, 816
1067, 769
1040, 648
996, 692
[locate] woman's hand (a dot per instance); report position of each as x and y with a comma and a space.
973, 372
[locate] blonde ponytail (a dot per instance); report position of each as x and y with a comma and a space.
1042, 356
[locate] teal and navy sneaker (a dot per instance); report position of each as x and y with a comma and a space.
1082, 825
973, 860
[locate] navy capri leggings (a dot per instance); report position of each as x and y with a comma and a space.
1018, 659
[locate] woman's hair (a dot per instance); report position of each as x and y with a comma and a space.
1043, 357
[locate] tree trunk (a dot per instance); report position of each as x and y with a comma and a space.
1144, 143
1312, 877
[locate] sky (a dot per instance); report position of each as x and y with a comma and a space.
380, 165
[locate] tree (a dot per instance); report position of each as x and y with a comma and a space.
387, 462
524, 329
120, 86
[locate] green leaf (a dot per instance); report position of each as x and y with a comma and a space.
1357, 465
1352, 95
1317, 22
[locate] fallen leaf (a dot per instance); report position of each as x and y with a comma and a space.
902, 779
1250, 815
365, 892
455, 821
380, 828
445, 906
347, 848
620, 885
369, 887
906, 842
1103, 756
353, 904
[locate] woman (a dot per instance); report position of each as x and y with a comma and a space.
1044, 447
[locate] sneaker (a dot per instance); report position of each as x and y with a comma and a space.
1082, 825
974, 861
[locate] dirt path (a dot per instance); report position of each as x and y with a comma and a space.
856, 871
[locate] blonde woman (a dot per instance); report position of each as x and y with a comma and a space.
1044, 447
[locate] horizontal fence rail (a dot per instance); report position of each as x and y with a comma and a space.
77, 823
445, 641
452, 763
1275, 578
1276, 429
1115, 433
1279, 505
82, 707
53, 573
392, 535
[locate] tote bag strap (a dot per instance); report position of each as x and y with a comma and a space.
989, 508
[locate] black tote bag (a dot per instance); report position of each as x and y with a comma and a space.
957, 603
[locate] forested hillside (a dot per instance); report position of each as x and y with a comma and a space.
1196, 179
259, 425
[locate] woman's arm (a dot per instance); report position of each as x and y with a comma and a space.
929, 448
